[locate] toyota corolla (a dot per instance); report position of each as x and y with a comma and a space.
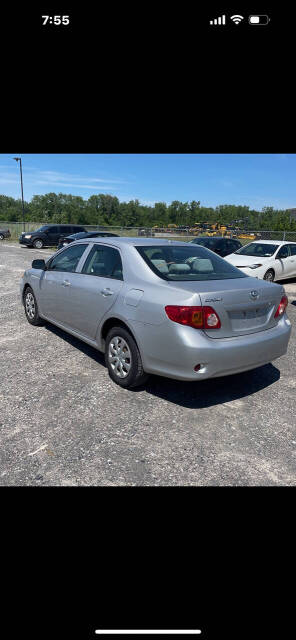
160, 307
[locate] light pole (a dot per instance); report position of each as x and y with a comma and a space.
19, 159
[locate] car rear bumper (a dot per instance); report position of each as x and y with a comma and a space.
174, 350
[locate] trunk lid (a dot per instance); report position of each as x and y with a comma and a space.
240, 311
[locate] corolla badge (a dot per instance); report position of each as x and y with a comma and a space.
254, 295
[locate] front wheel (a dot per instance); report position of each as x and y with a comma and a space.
269, 276
1, 236
38, 244
31, 308
123, 359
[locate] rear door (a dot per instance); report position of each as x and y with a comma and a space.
292, 259
283, 265
93, 291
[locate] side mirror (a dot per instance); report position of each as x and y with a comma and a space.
39, 264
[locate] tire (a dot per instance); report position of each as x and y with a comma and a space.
130, 373
269, 276
31, 308
1, 236
38, 243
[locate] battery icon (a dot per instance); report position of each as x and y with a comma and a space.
258, 19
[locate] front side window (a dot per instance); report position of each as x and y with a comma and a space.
103, 261
284, 252
53, 230
189, 262
258, 249
68, 259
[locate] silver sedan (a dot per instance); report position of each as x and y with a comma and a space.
174, 309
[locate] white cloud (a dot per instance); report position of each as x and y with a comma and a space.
35, 178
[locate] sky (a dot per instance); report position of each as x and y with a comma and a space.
255, 180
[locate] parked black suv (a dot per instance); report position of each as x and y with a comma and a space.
4, 233
222, 246
48, 235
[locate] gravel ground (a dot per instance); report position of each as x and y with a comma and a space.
63, 422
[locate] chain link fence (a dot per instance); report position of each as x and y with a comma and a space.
244, 235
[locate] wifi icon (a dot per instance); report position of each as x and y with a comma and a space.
236, 19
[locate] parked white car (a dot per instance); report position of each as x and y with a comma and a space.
267, 259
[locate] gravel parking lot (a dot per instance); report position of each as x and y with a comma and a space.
63, 422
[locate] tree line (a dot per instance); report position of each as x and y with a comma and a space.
105, 210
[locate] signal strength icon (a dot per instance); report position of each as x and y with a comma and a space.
220, 20
236, 19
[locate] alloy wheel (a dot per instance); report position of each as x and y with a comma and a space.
30, 305
269, 276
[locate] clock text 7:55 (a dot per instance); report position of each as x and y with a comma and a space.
56, 19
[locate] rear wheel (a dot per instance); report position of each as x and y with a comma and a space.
38, 244
123, 359
1, 236
269, 276
31, 308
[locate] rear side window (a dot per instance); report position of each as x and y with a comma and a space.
189, 262
103, 261
68, 259
65, 230
232, 246
293, 249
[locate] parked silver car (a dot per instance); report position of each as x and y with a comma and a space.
161, 307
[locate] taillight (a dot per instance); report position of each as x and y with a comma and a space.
282, 307
196, 317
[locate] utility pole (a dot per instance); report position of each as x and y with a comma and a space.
20, 161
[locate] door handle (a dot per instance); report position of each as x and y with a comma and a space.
66, 283
107, 292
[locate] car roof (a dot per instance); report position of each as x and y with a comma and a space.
214, 238
273, 241
135, 241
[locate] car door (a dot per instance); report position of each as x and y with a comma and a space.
54, 283
53, 234
283, 266
94, 288
292, 259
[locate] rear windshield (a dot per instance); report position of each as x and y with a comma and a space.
79, 235
206, 242
258, 249
189, 262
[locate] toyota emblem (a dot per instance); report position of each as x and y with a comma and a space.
254, 295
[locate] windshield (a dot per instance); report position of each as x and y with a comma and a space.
44, 228
189, 262
258, 249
